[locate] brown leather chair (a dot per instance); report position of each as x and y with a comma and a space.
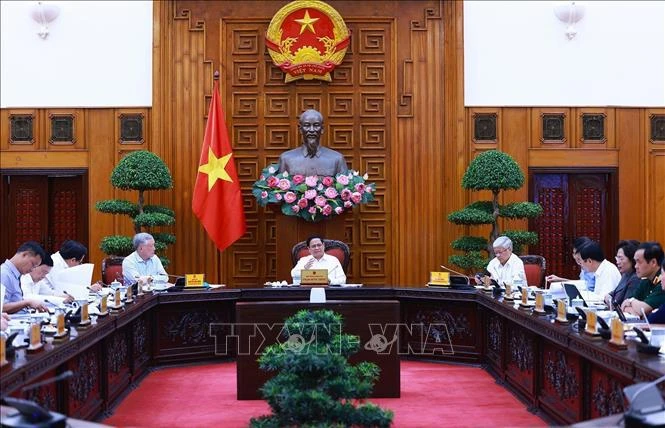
333, 247
112, 269
534, 267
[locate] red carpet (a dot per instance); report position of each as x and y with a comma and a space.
433, 394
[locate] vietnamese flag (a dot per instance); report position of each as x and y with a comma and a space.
217, 200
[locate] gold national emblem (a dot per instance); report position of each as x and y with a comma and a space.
307, 39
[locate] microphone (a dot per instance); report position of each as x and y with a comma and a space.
646, 405
468, 280
31, 413
58, 378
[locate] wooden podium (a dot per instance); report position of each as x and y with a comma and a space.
291, 229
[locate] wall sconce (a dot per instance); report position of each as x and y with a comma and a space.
44, 14
570, 13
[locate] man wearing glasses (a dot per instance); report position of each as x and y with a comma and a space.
506, 266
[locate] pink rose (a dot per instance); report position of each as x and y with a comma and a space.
339, 210
320, 201
295, 208
311, 180
312, 210
310, 194
360, 187
331, 193
348, 204
264, 194
343, 180
327, 181
356, 197
327, 210
302, 203
298, 179
284, 184
272, 181
346, 194
290, 197
278, 196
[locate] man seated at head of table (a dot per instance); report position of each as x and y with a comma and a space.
318, 259
34, 288
657, 316
143, 265
28, 256
649, 294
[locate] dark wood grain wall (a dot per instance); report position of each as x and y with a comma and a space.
395, 109
388, 110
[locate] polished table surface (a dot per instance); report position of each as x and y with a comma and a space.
563, 374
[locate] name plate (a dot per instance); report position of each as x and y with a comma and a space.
439, 278
314, 277
194, 280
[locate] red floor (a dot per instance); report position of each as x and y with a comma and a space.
433, 395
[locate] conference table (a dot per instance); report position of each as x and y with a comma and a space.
564, 375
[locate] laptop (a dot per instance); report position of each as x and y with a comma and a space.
573, 292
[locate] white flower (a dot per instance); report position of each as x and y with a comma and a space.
365, 177
355, 173
271, 170
285, 174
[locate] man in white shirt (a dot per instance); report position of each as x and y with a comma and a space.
34, 288
607, 275
505, 267
71, 253
143, 265
318, 259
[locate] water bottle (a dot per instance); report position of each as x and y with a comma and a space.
518, 280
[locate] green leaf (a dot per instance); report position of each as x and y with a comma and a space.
471, 216
165, 238
117, 206
159, 209
470, 261
117, 245
141, 170
469, 243
521, 210
493, 170
153, 219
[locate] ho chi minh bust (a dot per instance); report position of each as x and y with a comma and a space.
311, 158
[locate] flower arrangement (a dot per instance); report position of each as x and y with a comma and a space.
313, 198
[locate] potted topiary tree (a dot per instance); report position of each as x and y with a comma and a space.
316, 385
140, 171
495, 171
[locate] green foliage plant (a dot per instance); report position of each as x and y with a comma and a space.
315, 385
141, 171
494, 171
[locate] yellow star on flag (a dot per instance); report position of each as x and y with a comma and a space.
306, 22
216, 168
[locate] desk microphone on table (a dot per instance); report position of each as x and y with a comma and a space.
466, 277
31, 413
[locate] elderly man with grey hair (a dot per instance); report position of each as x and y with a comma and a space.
143, 265
506, 266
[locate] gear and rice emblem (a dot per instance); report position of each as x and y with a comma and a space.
307, 39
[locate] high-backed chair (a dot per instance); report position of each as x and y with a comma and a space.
112, 269
331, 246
534, 267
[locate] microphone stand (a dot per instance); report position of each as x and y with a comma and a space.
31, 414
468, 280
